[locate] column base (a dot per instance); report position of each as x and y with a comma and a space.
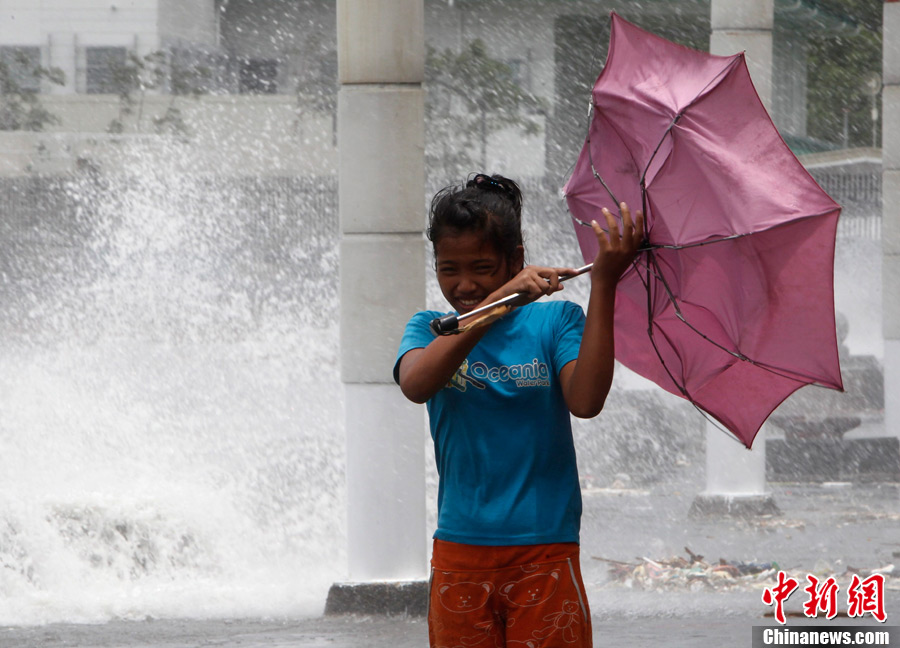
408, 598
736, 506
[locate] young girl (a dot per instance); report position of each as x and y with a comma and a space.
505, 566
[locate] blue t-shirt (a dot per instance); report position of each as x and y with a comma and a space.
502, 432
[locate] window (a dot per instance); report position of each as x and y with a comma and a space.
20, 67
258, 76
104, 69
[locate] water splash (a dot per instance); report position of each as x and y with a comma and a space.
169, 402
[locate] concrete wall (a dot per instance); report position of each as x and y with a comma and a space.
28, 21
63, 30
189, 22
299, 35
279, 29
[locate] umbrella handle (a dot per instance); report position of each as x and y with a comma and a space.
451, 324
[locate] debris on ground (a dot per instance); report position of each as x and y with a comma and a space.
694, 573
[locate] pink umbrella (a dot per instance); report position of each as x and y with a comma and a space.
731, 306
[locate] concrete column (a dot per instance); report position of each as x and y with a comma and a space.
381, 56
738, 25
735, 476
890, 268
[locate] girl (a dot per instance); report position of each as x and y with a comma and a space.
505, 568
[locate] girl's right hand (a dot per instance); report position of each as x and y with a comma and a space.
533, 282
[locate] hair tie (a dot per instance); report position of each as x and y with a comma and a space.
486, 182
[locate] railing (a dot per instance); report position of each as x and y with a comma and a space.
851, 188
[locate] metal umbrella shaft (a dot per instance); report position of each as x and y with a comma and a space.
451, 323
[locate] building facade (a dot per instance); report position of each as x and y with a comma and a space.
260, 76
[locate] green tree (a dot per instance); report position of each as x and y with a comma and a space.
841, 70
471, 95
20, 105
132, 79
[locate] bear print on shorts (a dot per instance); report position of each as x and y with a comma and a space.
531, 590
465, 597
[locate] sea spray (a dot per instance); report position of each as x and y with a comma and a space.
169, 404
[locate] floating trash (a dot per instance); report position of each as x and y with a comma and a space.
694, 573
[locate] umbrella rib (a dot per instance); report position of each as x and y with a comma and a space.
778, 371
685, 246
648, 288
709, 417
605, 186
716, 423
656, 150
668, 130
593, 169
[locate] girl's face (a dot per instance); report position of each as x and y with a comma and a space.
469, 269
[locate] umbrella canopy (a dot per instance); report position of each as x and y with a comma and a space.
731, 306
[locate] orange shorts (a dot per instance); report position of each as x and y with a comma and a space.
492, 597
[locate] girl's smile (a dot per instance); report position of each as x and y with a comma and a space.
470, 269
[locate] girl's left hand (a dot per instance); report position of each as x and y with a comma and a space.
617, 250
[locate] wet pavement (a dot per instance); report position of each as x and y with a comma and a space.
822, 529
691, 631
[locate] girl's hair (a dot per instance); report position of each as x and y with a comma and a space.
488, 205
